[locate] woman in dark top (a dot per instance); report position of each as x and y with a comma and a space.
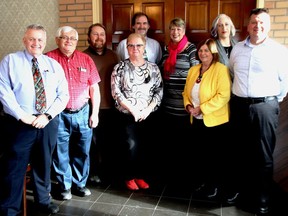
178, 57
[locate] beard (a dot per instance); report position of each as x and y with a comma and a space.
99, 44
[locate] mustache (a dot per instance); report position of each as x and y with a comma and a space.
99, 40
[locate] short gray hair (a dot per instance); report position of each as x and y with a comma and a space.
66, 29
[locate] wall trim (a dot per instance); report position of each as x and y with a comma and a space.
97, 11
260, 3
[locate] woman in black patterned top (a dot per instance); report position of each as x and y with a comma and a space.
137, 89
178, 57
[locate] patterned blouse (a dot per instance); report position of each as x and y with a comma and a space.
172, 102
139, 85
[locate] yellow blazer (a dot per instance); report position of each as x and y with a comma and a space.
214, 93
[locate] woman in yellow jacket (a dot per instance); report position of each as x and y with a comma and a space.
206, 98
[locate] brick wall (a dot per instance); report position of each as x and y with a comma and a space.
279, 20
78, 14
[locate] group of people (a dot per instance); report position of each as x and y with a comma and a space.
197, 94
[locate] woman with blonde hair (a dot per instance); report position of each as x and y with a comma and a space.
223, 31
178, 58
137, 89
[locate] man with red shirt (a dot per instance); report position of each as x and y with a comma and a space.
71, 159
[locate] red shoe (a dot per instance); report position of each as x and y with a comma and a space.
141, 183
131, 185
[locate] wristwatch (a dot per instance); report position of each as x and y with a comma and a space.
48, 116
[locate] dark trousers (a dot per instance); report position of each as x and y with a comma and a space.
175, 140
105, 139
254, 132
25, 144
209, 161
135, 139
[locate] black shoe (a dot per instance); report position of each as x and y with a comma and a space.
263, 207
82, 191
232, 198
199, 187
206, 192
212, 193
50, 208
95, 179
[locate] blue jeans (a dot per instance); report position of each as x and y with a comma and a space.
71, 159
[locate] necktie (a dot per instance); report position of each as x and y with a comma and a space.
39, 87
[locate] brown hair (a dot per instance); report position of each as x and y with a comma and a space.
257, 11
139, 14
211, 44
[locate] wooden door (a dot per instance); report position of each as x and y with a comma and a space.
198, 14
117, 16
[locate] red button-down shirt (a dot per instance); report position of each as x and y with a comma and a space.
81, 72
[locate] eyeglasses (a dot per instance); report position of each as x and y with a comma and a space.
66, 38
135, 45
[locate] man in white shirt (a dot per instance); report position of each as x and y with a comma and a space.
141, 25
260, 69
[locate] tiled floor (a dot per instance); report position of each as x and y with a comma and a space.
162, 199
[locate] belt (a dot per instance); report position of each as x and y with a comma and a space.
255, 100
71, 111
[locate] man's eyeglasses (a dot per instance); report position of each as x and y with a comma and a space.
138, 46
66, 38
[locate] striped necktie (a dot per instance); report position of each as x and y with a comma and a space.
39, 87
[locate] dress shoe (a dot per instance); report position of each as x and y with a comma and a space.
49, 208
95, 179
263, 207
82, 191
131, 185
212, 193
232, 198
206, 191
141, 184
66, 194
199, 187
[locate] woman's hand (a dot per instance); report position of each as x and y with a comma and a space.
194, 111
146, 112
136, 113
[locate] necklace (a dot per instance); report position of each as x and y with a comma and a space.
228, 50
199, 78
201, 72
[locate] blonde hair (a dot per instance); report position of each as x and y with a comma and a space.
214, 29
136, 35
177, 21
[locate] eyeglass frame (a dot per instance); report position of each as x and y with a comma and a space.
66, 38
138, 46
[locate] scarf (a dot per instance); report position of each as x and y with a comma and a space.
223, 58
174, 49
